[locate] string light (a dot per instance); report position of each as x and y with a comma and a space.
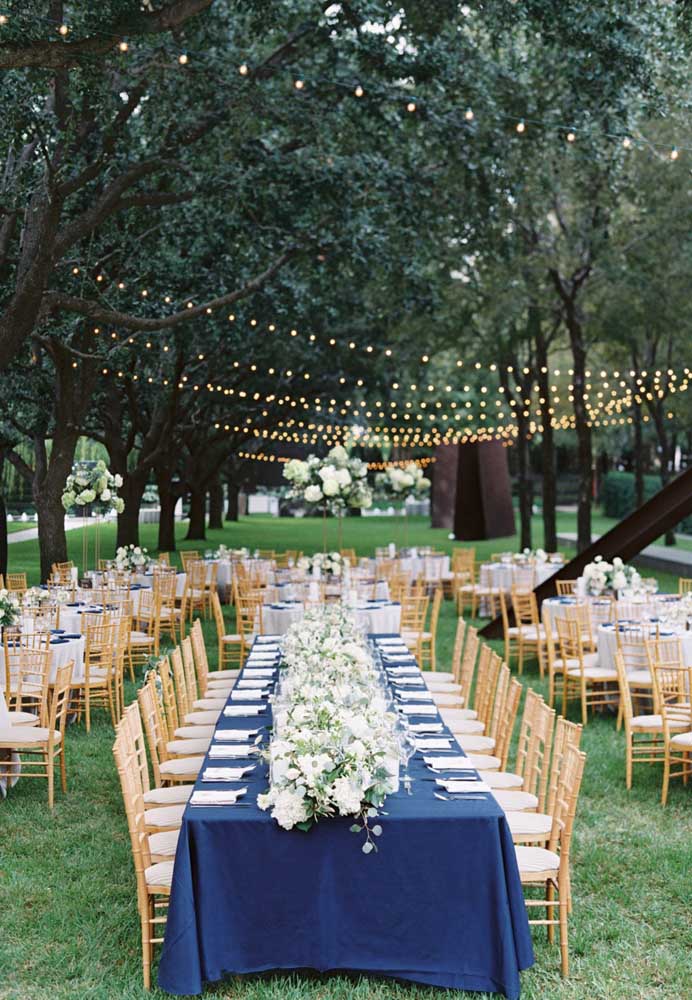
123, 46
299, 84
571, 137
411, 106
521, 126
243, 69
3, 20
674, 153
183, 59
359, 91
63, 30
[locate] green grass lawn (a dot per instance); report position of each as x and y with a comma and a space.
68, 920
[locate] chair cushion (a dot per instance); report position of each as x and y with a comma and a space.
187, 766
232, 637
503, 779
453, 715
445, 700
160, 874
188, 747
164, 844
15, 736
533, 860
590, 660
445, 688
639, 678
222, 675
22, 719
209, 704
161, 816
194, 732
141, 639
527, 823
479, 743
516, 801
647, 721
682, 740
527, 632
201, 718
168, 796
594, 673
467, 727
484, 762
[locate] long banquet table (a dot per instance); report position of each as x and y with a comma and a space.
440, 902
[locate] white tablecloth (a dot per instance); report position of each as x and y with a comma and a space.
60, 654
504, 576
607, 642
426, 567
5, 754
375, 617
146, 580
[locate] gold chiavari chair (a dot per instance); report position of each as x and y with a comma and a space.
16, 583
643, 733
61, 573
153, 880
684, 585
189, 555
413, 614
566, 588
528, 633
550, 866
154, 797
427, 641
27, 677
527, 734
584, 680
632, 644
186, 730
164, 559
449, 682
98, 689
231, 645
672, 680
167, 768
531, 797
41, 747
195, 588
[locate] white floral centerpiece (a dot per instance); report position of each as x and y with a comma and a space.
224, 552
336, 482
93, 484
9, 609
323, 564
526, 555
601, 577
334, 750
131, 558
402, 482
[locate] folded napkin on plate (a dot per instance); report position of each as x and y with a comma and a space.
447, 762
241, 750
419, 709
403, 671
250, 684
231, 735
261, 661
433, 743
409, 681
450, 785
221, 797
225, 773
260, 671
233, 710
414, 695
426, 727
253, 695
394, 641
264, 640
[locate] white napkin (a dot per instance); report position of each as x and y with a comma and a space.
260, 672
443, 762
221, 797
260, 661
264, 640
450, 785
433, 743
224, 773
237, 710
254, 695
251, 684
241, 750
410, 681
231, 735
425, 709
414, 695
403, 672
426, 727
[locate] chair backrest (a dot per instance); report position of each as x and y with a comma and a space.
489, 664
60, 703
565, 805
537, 767
133, 801
531, 702
178, 669
168, 700
16, 582
196, 571
190, 672
101, 645
499, 699
509, 716
218, 615
565, 588
200, 654
188, 555
624, 688
524, 606
413, 613
524, 577
136, 745
435, 610
458, 648
164, 558
684, 585
468, 662
27, 672
672, 683
567, 734
570, 641
463, 560
154, 725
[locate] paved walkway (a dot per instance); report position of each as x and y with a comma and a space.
664, 558
26, 535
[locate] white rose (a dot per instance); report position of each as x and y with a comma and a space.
343, 477
327, 472
330, 487
106, 494
313, 494
117, 480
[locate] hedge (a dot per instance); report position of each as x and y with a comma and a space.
617, 493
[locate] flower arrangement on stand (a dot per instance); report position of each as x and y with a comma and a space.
9, 609
402, 483
334, 749
323, 564
132, 558
601, 577
92, 485
335, 483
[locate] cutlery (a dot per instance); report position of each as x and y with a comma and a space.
460, 797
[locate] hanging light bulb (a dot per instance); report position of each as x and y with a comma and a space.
243, 69
627, 142
571, 137
674, 153
63, 30
123, 46
183, 59
468, 115
358, 91
521, 127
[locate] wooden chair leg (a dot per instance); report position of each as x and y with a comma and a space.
550, 910
51, 792
564, 953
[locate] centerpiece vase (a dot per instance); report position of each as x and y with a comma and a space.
85, 543
324, 528
340, 531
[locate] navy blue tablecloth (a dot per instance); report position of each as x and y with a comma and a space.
439, 903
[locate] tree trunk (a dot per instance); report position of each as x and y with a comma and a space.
666, 455
549, 485
582, 429
216, 504
197, 524
232, 495
524, 484
168, 499
132, 492
638, 458
52, 540
3, 526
